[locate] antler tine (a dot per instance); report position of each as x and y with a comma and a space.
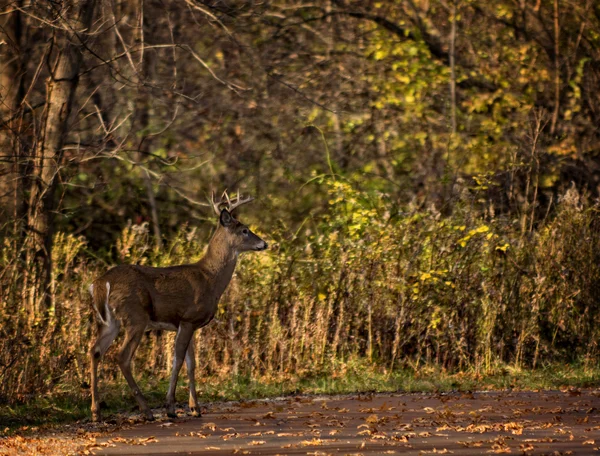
226, 199
215, 204
239, 201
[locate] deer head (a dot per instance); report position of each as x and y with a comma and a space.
236, 234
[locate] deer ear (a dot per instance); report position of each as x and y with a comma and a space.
226, 219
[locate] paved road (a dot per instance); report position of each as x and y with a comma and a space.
531, 423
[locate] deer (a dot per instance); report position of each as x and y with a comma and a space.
180, 298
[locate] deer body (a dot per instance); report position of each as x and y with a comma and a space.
177, 298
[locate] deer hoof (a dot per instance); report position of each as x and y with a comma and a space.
195, 411
170, 409
148, 416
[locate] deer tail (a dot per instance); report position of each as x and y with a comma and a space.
106, 319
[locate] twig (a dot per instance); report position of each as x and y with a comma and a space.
299, 92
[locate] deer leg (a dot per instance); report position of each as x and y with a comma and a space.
182, 341
132, 340
190, 362
106, 336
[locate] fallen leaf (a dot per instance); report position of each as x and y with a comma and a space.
312, 442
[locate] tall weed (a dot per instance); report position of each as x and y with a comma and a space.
366, 279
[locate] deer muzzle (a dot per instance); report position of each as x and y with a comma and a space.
262, 246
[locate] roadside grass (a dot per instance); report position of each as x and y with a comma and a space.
72, 405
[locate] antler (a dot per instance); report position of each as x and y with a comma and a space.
215, 204
230, 205
238, 201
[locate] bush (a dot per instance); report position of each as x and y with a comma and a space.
364, 280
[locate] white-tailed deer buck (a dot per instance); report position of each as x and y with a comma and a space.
177, 298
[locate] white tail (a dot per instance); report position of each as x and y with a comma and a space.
100, 318
179, 298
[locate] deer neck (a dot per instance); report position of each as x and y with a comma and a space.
219, 262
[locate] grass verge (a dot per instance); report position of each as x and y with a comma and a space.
70, 406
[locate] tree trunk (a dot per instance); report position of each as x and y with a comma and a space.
11, 94
48, 151
149, 73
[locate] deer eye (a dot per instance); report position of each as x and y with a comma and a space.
245, 231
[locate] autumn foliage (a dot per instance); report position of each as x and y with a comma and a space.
426, 172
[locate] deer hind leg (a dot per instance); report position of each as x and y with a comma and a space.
106, 336
108, 329
132, 340
182, 341
190, 362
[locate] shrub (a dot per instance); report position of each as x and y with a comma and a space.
365, 279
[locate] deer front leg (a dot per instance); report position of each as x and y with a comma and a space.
182, 341
190, 361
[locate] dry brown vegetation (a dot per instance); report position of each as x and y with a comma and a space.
427, 174
459, 292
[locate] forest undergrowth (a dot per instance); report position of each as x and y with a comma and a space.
401, 292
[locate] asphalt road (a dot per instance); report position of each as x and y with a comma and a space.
531, 423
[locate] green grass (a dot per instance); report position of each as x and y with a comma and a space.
71, 406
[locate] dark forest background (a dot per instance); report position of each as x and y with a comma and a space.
426, 170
